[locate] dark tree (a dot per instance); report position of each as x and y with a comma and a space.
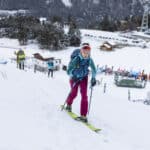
74, 33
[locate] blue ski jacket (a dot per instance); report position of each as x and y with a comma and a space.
78, 67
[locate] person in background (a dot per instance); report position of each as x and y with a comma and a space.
20, 59
50, 64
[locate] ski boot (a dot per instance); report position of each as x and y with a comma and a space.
82, 118
69, 108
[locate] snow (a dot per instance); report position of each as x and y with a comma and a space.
30, 103
130, 39
67, 3
12, 12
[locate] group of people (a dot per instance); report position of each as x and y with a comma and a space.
78, 70
21, 62
134, 74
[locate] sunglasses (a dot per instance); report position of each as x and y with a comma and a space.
87, 48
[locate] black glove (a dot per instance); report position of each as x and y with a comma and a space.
93, 82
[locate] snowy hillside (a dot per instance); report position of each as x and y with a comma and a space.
30, 104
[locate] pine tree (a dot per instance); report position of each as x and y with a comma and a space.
23, 35
74, 33
50, 36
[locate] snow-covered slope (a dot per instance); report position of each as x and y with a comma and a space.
30, 105
67, 3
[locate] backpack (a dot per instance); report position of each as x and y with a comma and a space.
21, 55
74, 54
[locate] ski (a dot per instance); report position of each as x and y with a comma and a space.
89, 125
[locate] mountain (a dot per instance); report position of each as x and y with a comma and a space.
82, 10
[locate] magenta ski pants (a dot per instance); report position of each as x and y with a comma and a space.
83, 90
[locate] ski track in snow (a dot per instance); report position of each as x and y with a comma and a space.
31, 117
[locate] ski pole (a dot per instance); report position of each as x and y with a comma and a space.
90, 99
104, 87
74, 84
129, 95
